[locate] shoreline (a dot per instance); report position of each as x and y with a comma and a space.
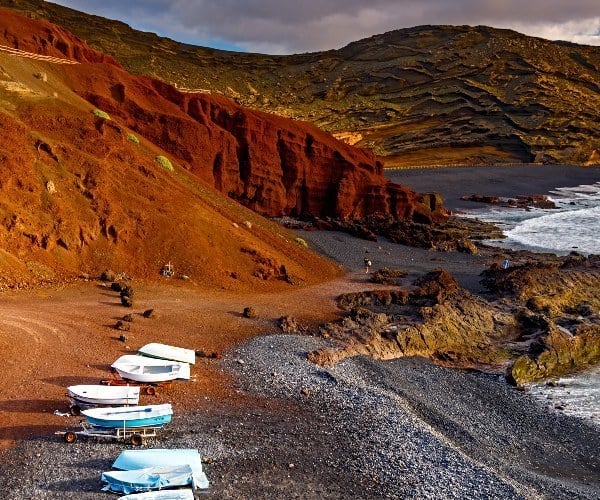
503, 181
403, 428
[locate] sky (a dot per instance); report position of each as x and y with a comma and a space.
296, 26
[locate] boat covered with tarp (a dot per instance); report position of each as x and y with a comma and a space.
148, 479
163, 457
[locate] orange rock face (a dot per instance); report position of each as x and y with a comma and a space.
273, 165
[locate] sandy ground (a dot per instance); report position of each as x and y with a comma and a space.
56, 337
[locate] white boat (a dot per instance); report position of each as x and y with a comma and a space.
150, 370
163, 351
103, 395
180, 494
129, 416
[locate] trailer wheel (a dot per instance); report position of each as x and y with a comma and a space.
136, 440
70, 437
75, 410
151, 391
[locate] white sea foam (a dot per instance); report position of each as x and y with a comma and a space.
573, 225
577, 395
561, 232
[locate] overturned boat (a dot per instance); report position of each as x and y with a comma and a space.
163, 351
150, 370
102, 395
129, 416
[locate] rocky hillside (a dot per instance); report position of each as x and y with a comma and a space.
425, 95
101, 168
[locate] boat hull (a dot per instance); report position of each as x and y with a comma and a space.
163, 351
101, 395
129, 416
150, 370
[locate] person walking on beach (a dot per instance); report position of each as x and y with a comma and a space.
367, 265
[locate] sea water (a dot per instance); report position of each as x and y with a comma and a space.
577, 394
574, 225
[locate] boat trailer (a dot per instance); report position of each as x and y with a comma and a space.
134, 435
148, 388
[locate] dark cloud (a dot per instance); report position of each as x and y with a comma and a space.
276, 26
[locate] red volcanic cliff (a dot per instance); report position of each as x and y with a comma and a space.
273, 165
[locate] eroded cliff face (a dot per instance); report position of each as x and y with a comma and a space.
272, 165
544, 321
81, 187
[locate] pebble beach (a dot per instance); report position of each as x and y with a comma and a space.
362, 429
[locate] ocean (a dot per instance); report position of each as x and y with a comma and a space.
572, 226
576, 394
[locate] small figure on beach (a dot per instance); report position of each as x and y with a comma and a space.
367, 265
505, 264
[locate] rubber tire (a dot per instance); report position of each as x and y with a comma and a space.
70, 437
75, 410
136, 440
151, 391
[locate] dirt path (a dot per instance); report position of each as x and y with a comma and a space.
57, 337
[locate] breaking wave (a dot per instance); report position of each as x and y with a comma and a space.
572, 226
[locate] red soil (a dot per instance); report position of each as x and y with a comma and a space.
55, 337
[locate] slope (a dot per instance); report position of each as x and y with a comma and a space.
430, 94
81, 193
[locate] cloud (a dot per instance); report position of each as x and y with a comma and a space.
275, 26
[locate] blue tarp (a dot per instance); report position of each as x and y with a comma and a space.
151, 478
161, 457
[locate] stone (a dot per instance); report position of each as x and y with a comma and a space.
250, 312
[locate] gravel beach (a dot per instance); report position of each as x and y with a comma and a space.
362, 429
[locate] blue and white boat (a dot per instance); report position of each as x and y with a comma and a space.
129, 416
